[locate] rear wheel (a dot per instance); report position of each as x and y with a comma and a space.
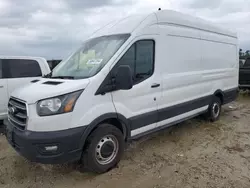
104, 149
214, 109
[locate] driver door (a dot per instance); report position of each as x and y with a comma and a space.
139, 104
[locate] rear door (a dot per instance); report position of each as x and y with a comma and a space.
20, 72
3, 93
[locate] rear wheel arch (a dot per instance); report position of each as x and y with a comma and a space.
219, 93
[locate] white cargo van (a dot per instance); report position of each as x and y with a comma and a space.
131, 78
16, 71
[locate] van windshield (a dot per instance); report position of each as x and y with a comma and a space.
90, 58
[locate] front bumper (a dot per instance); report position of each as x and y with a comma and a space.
32, 145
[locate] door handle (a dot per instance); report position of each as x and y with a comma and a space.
1, 86
155, 85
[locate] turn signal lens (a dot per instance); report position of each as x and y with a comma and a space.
69, 106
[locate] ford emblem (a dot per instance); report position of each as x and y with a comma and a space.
12, 110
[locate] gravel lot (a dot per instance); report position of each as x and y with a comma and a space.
193, 154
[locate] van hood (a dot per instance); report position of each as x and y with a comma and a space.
46, 88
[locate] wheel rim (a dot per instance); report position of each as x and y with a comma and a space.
216, 110
106, 149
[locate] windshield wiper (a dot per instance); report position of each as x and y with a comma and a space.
48, 75
63, 77
57, 77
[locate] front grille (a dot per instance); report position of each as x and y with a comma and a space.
17, 113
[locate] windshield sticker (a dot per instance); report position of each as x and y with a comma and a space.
94, 61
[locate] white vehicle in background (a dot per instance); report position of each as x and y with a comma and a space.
135, 76
15, 72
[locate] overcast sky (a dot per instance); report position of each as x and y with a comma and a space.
53, 28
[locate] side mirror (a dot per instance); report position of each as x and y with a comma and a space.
123, 79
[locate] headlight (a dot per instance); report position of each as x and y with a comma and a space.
58, 105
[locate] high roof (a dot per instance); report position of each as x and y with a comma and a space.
124, 25
130, 23
173, 17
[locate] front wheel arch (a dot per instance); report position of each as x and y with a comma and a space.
112, 118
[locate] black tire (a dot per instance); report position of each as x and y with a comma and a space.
214, 110
90, 161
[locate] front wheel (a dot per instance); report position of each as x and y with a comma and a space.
104, 149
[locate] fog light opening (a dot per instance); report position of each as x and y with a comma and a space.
51, 148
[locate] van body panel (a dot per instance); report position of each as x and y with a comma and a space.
47, 88
88, 109
14, 84
48, 123
181, 19
166, 123
130, 24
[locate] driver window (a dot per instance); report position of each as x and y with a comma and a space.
140, 58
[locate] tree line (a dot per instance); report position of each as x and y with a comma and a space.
244, 55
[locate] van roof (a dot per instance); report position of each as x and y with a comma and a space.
162, 17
